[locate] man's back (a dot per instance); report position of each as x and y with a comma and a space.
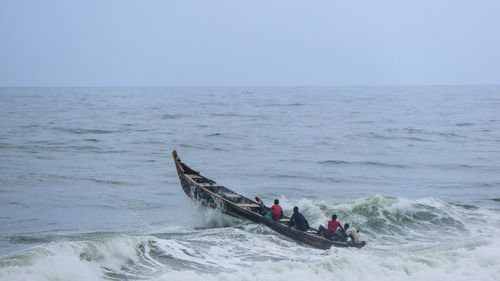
353, 233
332, 227
277, 212
300, 221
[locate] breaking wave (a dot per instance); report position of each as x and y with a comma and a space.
407, 240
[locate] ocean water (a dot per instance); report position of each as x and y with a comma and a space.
88, 189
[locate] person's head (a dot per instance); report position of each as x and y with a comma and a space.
295, 209
346, 226
276, 201
334, 217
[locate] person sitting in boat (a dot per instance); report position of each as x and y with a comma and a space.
298, 221
277, 211
332, 228
340, 235
352, 232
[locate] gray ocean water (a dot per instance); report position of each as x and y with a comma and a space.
88, 190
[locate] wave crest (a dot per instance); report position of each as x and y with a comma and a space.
380, 217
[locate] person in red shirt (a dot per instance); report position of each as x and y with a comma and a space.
332, 227
276, 210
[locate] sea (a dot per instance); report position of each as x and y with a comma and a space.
89, 191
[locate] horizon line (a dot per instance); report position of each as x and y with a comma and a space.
270, 86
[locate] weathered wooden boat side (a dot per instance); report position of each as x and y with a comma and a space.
210, 194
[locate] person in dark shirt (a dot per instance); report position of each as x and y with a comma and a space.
298, 221
340, 235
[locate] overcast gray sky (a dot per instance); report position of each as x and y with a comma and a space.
249, 43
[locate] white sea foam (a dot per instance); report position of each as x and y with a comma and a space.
55, 261
253, 252
478, 263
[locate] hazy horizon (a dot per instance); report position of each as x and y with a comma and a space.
267, 86
249, 44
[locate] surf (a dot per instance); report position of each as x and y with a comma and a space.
408, 240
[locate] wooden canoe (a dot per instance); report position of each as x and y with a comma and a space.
208, 193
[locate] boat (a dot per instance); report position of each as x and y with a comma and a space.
208, 193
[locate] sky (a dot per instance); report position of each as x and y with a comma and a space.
185, 43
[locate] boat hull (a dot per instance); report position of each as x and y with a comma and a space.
208, 193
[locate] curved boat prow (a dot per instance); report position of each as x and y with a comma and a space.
183, 167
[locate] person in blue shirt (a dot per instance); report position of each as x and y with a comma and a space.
298, 221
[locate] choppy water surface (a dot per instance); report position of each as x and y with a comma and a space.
88, 189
